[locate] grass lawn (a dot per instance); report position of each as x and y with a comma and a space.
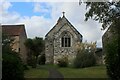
68, 72
90, 72
38, 72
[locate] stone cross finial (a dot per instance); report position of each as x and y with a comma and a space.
63, 13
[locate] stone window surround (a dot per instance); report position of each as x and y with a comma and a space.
68, 35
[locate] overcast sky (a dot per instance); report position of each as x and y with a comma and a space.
40, 17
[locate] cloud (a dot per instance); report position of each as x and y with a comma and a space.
36, 25
39, 7
4, 5
4, 8
39, 25
12, 18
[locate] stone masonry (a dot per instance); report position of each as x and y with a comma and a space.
53, 41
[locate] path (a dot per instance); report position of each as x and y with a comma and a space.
54, 74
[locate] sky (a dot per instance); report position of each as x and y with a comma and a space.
40, 17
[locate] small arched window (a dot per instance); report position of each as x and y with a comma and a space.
66, 40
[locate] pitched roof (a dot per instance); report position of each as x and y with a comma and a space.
13, 29
60, 19
54, 26
73, 27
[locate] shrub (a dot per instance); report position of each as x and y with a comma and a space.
29, 57
25, 67
85, 55
12, 67
33, 62
84, 60
63, 62
112, 58
42, 59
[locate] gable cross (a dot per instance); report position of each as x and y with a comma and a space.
63, 13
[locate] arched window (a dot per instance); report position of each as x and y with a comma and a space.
65, 40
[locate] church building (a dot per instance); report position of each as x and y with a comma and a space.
61, 41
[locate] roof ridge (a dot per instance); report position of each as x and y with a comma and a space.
61, 19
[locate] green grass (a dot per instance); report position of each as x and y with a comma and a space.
38, 72
68, 72
90, 72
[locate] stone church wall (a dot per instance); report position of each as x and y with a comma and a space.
53, 48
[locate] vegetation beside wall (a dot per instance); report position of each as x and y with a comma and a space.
112, 58
35, 48
63, 61
41, 59
12, 65
85, 55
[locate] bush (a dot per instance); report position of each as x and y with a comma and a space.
85, 55
12, 67
112, 59
25, 67
84, 60
33, 62
29, 58
42, 59
63, 62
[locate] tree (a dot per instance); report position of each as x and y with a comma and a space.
35, 48
108, 13
38, 46
12, 65
29, 44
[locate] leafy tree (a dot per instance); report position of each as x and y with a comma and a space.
108, 13
29, 44
35, 47
38, 46
12, 66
